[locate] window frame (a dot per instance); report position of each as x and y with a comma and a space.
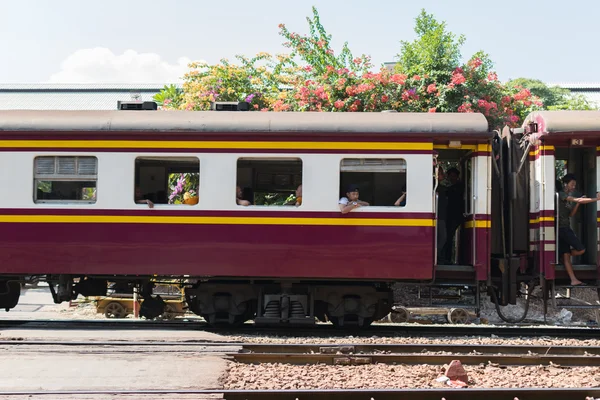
374, 208
168, 172
272, 158
57, 177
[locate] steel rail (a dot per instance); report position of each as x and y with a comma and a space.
319, 329
418, 348
334, 349
345, 394
415, 359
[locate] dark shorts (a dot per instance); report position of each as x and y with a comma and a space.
567, 240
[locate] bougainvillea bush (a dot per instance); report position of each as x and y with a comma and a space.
428, 78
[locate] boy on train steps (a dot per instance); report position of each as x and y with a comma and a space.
566, 237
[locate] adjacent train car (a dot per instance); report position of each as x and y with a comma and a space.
525, 243
93, 197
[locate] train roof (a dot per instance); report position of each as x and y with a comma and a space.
471, 124
556, 122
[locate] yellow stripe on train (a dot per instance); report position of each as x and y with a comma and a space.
132, 219
478, 224
541, 219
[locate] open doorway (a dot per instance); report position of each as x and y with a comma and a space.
453, 206
582, 163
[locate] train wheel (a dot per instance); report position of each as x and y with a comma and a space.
115, 310
169, 313
458, 316
399, 314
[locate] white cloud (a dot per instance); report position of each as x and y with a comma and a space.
100, 65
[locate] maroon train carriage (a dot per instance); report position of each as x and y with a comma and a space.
76, 209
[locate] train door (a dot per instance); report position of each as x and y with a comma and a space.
582, 163
463, 211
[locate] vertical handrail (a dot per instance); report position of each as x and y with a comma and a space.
435, 231
557, 222
435, 214
473, 203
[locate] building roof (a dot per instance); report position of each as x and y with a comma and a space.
92, 96
73, 96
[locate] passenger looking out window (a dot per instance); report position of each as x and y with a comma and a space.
351, 201
139, 198
298, 198
239, 197
401, 202
568, 243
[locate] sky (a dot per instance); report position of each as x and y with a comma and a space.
151, 41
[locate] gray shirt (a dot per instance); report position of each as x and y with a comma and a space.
564, 210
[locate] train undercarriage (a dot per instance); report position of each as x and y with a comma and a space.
230, 303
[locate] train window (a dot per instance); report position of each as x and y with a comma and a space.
65, 179
381, 182
167, 180
270, 181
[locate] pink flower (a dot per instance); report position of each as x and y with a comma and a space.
522, 95
417, 78
465, 108
492, 76
476, 62
432, 110
398, 78
431, 88
339, 104
357, 60
321, 43
458, 78
384, 99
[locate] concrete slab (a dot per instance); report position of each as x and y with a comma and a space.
41, 368
107, 334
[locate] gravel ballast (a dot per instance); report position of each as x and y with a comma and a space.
382, 376
469, 340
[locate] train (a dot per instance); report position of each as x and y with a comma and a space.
292, 217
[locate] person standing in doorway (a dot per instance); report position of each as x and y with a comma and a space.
455, 208
568, 243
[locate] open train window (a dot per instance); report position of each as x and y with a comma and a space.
167, 180
381, 181
270, 181
65, 179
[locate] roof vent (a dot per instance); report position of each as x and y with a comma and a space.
136, 105
229, 106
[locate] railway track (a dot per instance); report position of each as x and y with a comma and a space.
317, 330
353, 354
565, 356
339, 394
361, 354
